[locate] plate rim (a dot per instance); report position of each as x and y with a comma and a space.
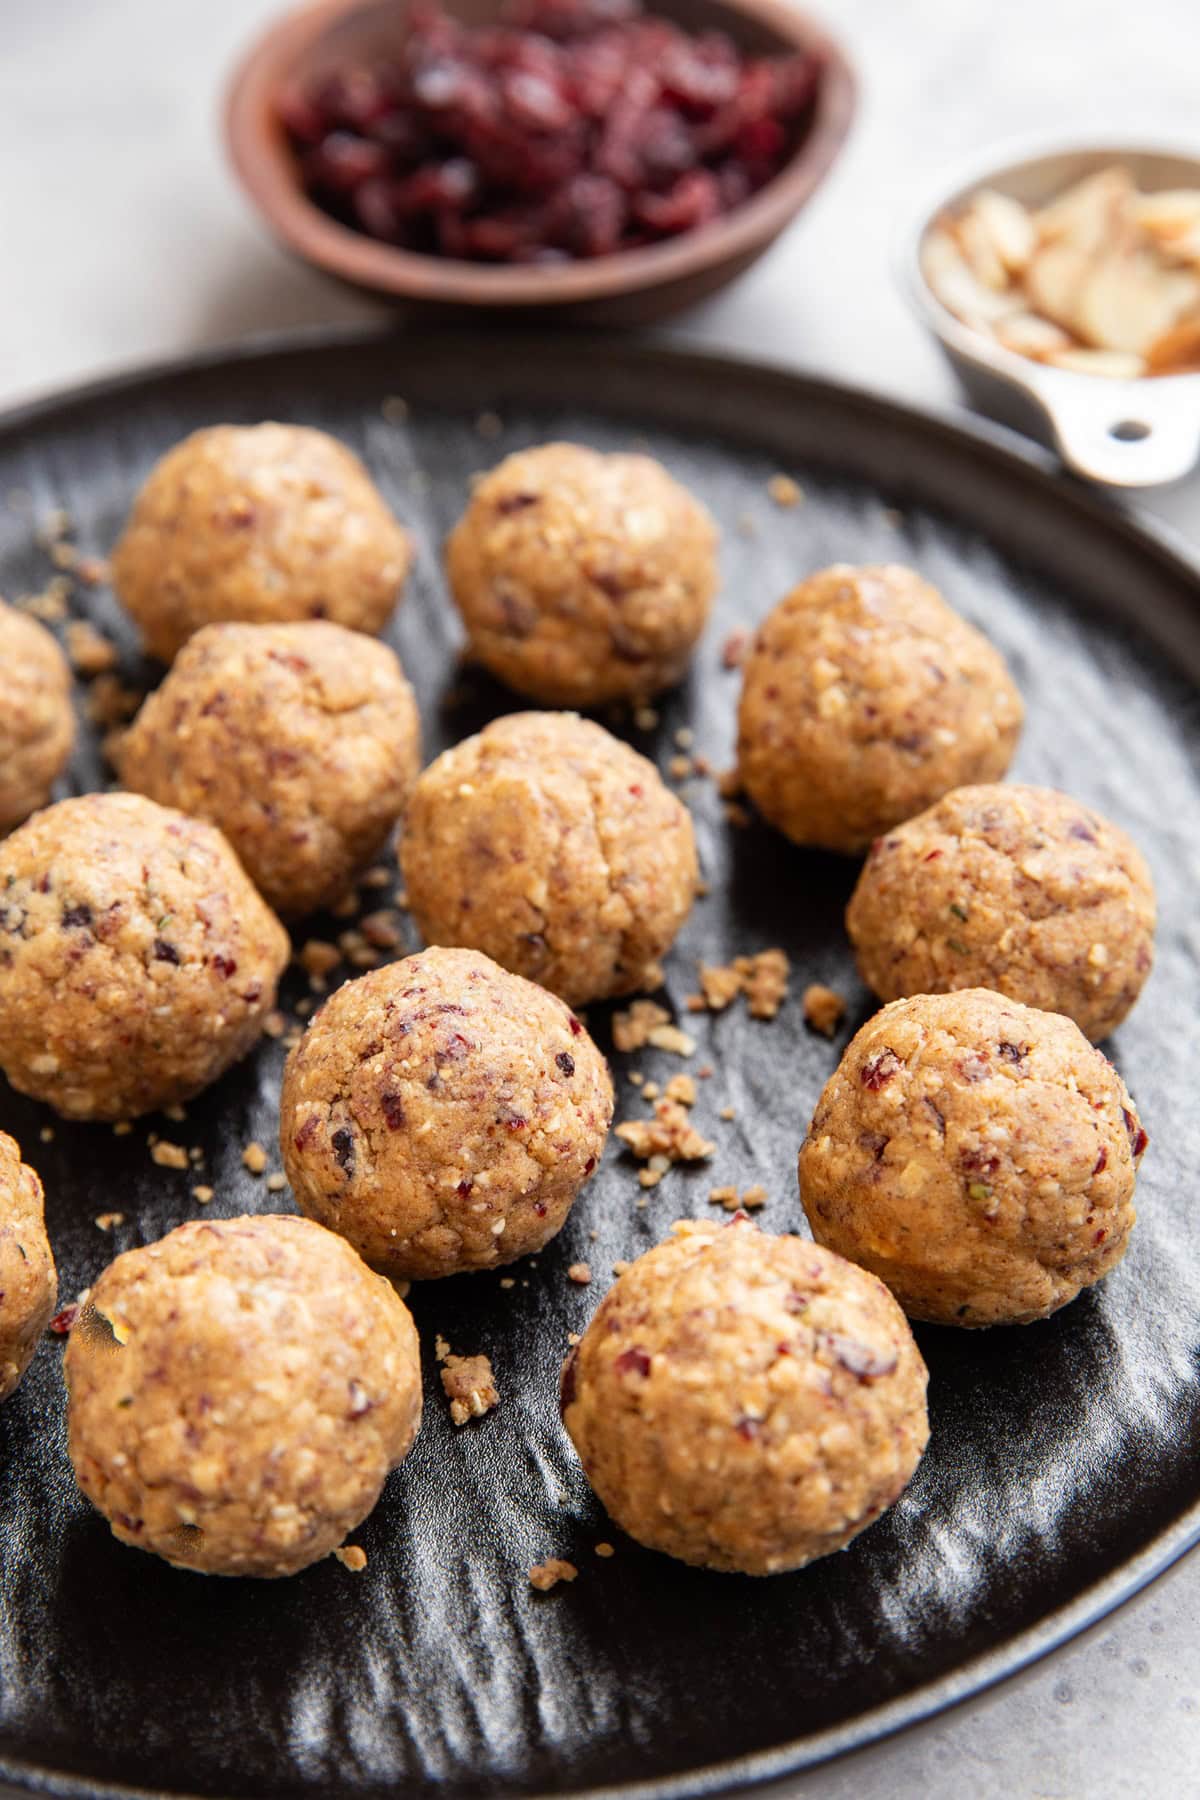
981, 437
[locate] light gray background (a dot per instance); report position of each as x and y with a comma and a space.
122, 238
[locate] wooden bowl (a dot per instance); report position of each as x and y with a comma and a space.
627, 288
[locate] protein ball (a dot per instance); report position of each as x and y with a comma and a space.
137, 961
37, 724
238, 1393
746, 1402
28, 1279
864, 699
300, 741
976, 1154
554, 848
262, 523
443, 1114
1019, 889
583, 578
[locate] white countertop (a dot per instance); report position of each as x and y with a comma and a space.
124, 239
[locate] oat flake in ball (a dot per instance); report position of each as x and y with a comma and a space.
137, 961
262, 523
238, 1393
28, 1280
37, 723
746, 1402
300, 741
583, 578
553, 847
443, 1114
864, 698
1019, 889
978, 1155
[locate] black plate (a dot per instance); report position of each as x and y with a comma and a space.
1062, 1470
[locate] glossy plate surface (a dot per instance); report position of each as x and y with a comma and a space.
1062, 1471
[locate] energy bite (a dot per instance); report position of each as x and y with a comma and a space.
28, 1279
554, 848
864, 698
977, 1155
37, 723
443, 1114
137, 961
581, 577
1020, 889
261, 523
238, 1392
300, 741
746, 1402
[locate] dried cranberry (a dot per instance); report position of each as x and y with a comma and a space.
879, 1069
62, 1321
634, 1361
1137, 1136
575, 1024
342, 1144
465, 1188
748, 1428
1079, 829
511, 503
76, 917
392, 1106
224, 965
165, 952
1012, 1053
566, 1062
589, 1165
305, 1132
1101, 1161
570, 128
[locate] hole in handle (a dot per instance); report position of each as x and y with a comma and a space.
1129, 431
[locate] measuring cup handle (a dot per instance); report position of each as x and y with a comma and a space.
1125, 433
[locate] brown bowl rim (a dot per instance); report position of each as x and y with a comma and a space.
267, 173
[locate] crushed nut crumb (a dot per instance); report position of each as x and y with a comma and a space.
670, 1133
352, 1557
276, 1183
108, 1221
785, 492
91, 653
579, 1273
679, 768
255, 1158
762, 978
470, 1387
274, 1024
824, 1008
631, 1029
168, 1156
544, 1576
681, 1088
383, 929
318, 957
202, 1195
605, 1549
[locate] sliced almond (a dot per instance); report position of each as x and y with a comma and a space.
1054, 281
1088, 215
1176, 352
1172, 213
1128, 301
1116, 365
947, 272
983, 259
1184, 248
1029, 335
1008, 226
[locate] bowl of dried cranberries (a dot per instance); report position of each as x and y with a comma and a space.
582, 158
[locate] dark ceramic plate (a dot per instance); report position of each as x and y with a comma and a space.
1063, 1467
